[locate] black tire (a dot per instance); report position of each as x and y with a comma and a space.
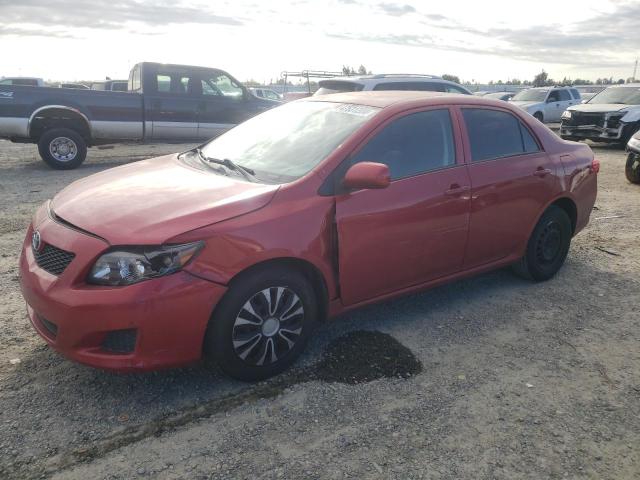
632, 167
226, 341
538, 116
548, 246
62, 148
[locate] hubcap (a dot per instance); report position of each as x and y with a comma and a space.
549, 244
63, 149
268, 326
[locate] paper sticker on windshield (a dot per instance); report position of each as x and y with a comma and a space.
359, 110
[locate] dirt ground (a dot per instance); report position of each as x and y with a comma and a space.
492, 377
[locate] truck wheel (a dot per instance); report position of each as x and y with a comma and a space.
262, 324
62, 148
548, 246
632, 168
538, 116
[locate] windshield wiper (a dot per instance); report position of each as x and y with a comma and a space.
246, 172
207, 163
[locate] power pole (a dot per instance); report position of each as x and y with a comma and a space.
635, 69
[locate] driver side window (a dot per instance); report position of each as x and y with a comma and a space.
221, 85
413, 144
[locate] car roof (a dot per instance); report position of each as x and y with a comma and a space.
387, 98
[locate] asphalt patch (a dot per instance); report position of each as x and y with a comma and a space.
363, 356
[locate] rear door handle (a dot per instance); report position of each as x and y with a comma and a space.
456, 189
541, 172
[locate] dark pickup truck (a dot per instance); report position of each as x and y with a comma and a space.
164, 102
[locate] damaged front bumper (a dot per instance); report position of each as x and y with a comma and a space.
603, 132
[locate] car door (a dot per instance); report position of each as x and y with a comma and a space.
566, 100
512, 178
552, 109
172, 108
224, 103
415, 230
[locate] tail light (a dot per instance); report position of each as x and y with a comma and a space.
595, 166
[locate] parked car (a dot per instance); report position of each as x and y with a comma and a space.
111, 85
363, 83
24, 81
504, 96
169, 102
266, 93
546, 103
237, 249
611, 116
588, 91
632, 167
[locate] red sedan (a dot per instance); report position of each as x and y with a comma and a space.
237, 249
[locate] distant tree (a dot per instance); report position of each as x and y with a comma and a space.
620, 81
630, 80
542, 79
346, 70
526, 82
251, 83
515, 81
491, 82
362, 70
581, 81
451, 78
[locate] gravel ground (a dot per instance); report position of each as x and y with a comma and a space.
491, 377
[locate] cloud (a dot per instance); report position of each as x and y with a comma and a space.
103, 14
605, 40
395, 9
33, 32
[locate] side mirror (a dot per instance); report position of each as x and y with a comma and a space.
367, 175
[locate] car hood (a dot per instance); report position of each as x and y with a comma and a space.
523, 104
599, 107
151, 201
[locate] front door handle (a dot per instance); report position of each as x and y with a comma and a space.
456, 189
541, 172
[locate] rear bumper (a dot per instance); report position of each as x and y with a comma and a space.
165, 318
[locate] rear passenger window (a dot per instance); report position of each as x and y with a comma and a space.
413, 144
564, 95
495, 134
576, 93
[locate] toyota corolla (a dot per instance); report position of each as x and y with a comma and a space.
235, 250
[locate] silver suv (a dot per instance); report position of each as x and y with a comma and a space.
430, 83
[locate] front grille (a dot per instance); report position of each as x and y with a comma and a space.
53, 259
613, 121
586, 118
51, 327
120, 341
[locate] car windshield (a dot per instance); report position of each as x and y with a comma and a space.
284, 143
497, 95
530, 96
622, 95
337, 86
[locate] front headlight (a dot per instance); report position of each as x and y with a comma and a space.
129, 265
566, 115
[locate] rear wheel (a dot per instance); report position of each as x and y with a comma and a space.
62, 148
632, 168
548, 246
262, 324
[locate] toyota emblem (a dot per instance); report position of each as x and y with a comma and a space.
36, 242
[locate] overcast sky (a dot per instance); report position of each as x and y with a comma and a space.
91, 39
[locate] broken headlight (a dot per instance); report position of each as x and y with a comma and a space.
129, 265
566, 115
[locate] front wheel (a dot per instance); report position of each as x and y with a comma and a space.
62, 148
262, 324
548, 246
632, 168
538, 116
